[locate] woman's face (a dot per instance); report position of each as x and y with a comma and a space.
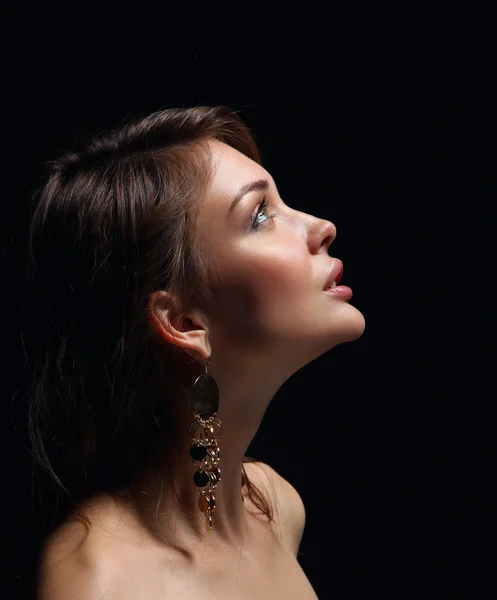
274, 269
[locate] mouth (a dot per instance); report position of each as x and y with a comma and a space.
335, 275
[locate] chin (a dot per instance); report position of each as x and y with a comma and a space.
352, 325
359, 325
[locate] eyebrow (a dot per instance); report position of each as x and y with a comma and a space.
253, 186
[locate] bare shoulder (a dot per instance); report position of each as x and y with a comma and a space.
69, 569
80, 565
286, 499
76, 578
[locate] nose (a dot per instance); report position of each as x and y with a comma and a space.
322, 236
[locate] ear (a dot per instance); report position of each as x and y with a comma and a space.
188, 331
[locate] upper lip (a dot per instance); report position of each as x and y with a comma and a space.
335, 273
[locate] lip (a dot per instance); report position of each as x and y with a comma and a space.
335, 274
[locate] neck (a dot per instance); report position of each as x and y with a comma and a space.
168, 502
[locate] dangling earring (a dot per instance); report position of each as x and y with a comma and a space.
204, 432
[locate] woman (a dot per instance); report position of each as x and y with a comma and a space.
174, 293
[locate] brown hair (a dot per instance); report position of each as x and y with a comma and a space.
113, 221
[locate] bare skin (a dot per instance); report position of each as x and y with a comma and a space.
120, 559
272, 319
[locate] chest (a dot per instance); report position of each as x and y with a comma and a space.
238, 578
284, 579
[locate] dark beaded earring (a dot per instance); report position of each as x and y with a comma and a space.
205, 432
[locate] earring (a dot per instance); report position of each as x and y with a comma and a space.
205, 432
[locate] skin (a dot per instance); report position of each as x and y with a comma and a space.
272, 319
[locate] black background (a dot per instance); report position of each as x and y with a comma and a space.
383, 123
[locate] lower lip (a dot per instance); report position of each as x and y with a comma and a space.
340, 290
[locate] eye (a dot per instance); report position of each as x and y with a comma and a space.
263, 206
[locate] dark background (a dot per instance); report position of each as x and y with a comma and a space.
383, 123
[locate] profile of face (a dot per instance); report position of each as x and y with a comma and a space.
274, 261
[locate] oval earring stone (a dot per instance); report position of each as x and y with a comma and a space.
205, 396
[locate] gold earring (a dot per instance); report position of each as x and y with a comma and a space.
205, 432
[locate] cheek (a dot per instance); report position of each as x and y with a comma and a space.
263, 291
269, 262
279, 275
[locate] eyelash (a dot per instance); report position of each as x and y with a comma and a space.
264, 205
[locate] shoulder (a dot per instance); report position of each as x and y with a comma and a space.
288, 504
84, 566
66, 568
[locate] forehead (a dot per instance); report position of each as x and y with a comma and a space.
232, 170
